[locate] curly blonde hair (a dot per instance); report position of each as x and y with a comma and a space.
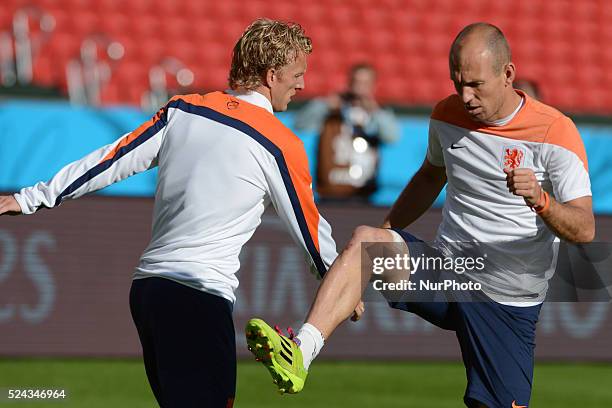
265, 44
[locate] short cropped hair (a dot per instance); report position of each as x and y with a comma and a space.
361, 66
265, 44
495, 42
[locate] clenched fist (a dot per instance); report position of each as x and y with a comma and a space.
523, 182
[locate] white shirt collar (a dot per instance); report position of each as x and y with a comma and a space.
252, 97
507, 119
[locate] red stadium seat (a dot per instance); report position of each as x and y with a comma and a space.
6, 18
115, 24
44, 73
164, 8
83, 22
175, 29
130, 72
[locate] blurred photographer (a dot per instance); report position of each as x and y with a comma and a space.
352, 127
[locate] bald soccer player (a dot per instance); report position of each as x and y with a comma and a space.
517, 182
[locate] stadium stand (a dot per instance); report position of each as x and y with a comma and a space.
562, 43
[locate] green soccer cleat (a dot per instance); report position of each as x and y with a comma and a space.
279, 353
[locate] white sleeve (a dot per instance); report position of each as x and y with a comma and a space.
133, 153
566, 162
290, 191
435, 155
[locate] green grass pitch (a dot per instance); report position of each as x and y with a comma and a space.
121, 383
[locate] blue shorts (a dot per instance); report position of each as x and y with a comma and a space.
188, 343
497, 342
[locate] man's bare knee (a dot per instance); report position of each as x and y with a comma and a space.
360, 234
365, 233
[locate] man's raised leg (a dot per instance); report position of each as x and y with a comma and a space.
345, 282
336, 299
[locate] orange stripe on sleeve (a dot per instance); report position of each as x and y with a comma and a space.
564, 133
139, 131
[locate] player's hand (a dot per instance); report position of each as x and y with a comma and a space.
9, 206
358, 311
522, 182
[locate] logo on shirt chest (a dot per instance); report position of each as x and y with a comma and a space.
513, 157
233, 104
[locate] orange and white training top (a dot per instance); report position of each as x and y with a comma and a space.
222, 158
521, 254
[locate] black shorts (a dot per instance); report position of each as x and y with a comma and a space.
188, 343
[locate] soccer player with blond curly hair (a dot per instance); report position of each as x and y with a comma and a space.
223, 158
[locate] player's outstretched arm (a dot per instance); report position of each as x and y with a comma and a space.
9, 206
132, 153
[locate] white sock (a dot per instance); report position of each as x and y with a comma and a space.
311, 342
